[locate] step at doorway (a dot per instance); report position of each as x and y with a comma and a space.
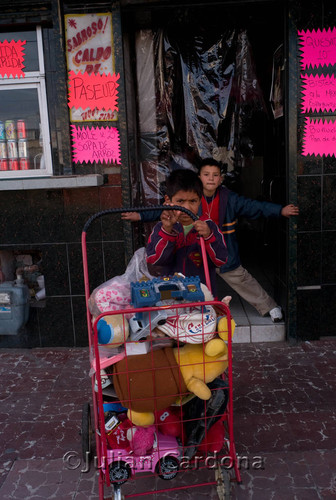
251, 327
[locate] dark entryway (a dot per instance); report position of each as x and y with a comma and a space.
209, 80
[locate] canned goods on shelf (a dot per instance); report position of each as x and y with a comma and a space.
23, 148
24, 163
10, 130
21, 129
12, 149
13, 164
3, 164
2, 131
3, 149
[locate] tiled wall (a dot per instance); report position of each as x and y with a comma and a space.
52, 222
316, 190
316, 261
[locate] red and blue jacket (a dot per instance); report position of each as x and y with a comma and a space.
174, 252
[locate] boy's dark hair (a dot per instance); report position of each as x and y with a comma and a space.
183, 179
211, 162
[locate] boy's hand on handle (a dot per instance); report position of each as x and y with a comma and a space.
290, 210
169, 218
202, 227
131, 216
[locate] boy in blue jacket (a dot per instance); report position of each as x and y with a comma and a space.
223, 207
174, 243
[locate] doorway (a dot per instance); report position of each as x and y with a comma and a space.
208, 80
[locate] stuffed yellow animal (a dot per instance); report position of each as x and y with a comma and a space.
154, 381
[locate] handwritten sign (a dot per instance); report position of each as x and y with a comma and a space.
11, 58
90, 49
319, 138
318, 47
92, 144
93, 91
319, 93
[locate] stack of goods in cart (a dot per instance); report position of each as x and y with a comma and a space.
191, 341
13, 145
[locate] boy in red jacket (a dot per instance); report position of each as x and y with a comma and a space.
224, 207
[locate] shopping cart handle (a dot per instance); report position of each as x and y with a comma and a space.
137, 209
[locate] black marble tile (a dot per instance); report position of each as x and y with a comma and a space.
14, 222
112, 227
329, 202
328, 260
80, 322
309, 202
114, 257
328, 310
309, 314
309, 259
45, 210
56, 323
95, 264
80, 205
309, 165
329, 165
55, 269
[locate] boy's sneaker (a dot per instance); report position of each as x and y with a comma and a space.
276, 314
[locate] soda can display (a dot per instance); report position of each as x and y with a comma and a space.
21, 129
2, 131
12, 149
3, 149
13, 164
3, 164
23, 148
10, 130
24, 163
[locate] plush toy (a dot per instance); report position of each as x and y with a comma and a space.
168, 421
223, 331
113, 331
156, 380
141, 439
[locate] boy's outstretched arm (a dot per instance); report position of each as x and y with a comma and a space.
290, 210
131, 216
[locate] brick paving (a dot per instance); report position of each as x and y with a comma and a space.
284, 424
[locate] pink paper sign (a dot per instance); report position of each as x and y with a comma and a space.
94, 91
319, 138
319, 93
92, 144
11, 58
318, 47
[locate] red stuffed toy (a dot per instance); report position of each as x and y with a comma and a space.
214, 439
168, 421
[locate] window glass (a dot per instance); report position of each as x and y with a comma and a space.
24, 130
30, 47
20, 130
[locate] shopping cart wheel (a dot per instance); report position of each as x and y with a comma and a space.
223, 483
167, 467
117, 492
86, 433
119, 472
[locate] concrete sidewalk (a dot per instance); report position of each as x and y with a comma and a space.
284, 412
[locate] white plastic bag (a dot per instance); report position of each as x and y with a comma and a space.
115, 294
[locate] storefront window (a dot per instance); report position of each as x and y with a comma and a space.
24, 130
